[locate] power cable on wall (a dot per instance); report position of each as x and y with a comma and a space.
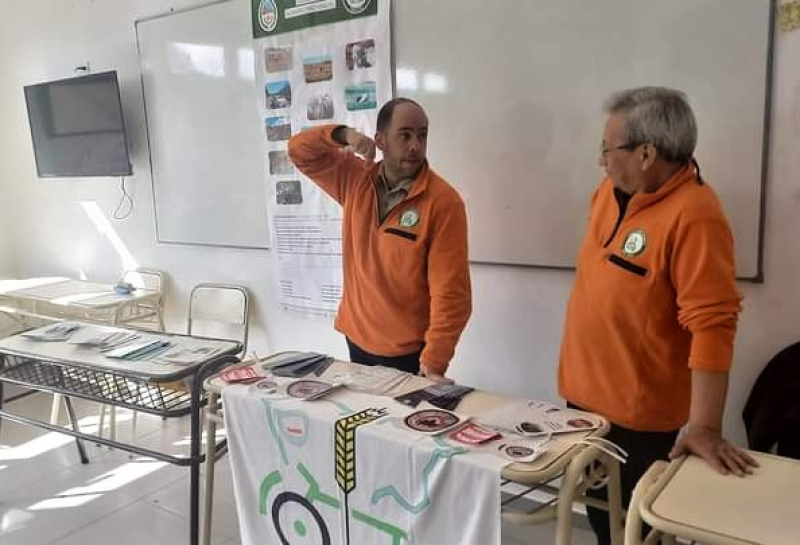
125, 198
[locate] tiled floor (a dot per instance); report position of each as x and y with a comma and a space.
47, 497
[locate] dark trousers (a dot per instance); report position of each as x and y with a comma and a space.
408, 363
643, 448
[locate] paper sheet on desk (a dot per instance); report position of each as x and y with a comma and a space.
101, 337
374, 380
186, 355
60, 331
538, 418
136, 348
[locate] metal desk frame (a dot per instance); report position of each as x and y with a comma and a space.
115, 386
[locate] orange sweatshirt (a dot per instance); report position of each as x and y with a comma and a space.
652, 300
406, 279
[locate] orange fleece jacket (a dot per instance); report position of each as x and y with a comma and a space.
639, 321
406, 280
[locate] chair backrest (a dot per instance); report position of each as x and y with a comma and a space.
771, 413
148, 279
223, 305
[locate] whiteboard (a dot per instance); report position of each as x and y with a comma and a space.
514, 93
198, 80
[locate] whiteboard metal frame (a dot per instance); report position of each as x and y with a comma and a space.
136, 24
758, 277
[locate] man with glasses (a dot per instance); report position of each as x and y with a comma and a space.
648, 338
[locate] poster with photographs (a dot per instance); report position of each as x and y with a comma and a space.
318, 62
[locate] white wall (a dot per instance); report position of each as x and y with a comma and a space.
7, 249
511, 344
52, 230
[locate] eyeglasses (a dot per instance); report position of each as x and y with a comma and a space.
605, 151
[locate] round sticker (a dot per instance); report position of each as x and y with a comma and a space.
635, 243
431, 420
267, 15
518, 451
306, 388
409, 218
267, 384
580, 423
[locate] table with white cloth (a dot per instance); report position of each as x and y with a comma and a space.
346, 469
59, 298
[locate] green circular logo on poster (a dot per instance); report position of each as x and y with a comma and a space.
267, 15
356, 6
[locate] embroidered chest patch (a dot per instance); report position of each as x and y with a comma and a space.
635, 243
409, 218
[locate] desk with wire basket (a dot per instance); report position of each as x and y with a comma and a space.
147, 386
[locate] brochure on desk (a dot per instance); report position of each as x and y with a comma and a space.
101, 337
118, 348
538, 418
60, 331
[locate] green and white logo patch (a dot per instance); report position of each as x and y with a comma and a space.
409, 218
635, 243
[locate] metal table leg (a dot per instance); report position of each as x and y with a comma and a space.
208, 490
75, 427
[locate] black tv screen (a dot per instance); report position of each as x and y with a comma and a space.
77, 127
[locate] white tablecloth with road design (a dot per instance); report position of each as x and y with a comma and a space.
344, 470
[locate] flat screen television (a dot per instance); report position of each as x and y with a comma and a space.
77, 127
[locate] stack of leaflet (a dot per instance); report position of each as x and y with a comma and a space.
139, 349
187, 354
298, 365
375, 380
444, 396
60, 331
104, 338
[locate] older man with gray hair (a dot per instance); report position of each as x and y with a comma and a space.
648, 338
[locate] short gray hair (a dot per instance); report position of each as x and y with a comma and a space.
658, 116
